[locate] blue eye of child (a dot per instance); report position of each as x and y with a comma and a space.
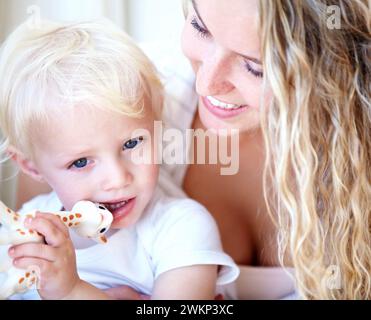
132, 143
81, 163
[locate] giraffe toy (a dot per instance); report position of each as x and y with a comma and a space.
88, 219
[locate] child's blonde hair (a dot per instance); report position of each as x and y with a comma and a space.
44, 70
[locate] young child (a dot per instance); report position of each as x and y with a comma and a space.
77, 110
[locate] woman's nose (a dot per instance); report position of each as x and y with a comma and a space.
116, 177
213, 76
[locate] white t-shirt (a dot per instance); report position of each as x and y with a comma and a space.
172, 233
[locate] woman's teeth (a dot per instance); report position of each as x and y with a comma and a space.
222, 105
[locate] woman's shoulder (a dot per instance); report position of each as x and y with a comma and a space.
257, 282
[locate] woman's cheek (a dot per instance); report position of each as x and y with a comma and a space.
190, 44
253, 94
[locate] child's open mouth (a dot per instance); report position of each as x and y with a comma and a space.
120, 209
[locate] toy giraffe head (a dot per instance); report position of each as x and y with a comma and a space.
90, 220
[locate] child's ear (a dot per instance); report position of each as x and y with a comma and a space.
25, 164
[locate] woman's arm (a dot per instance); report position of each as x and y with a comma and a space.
264, 283
187, 283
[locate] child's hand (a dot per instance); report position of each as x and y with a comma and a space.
55, 260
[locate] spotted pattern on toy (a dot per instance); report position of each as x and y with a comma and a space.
86, 218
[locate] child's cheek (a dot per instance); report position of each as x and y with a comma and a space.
150, 177
69, 196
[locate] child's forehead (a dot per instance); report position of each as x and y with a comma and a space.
84, 122
97, 115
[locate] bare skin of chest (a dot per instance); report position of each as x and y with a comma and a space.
237, 205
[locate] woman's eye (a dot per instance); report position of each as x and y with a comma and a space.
132, 143
254, 72
201, 31
81, 163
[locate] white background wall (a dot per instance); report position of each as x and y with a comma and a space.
145, 20
159, 20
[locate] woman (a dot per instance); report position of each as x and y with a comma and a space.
280, 61
298, 90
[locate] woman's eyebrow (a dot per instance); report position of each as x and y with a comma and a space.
257, 61
195, 7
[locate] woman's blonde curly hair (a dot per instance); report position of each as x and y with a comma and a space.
318, 136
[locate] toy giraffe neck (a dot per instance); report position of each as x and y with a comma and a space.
70, 219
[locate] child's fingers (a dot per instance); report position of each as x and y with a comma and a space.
53, 235
55, 220
33, 250
39, 265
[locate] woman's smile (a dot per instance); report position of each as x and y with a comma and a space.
221, 109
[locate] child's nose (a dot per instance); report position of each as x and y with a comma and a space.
115, 177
